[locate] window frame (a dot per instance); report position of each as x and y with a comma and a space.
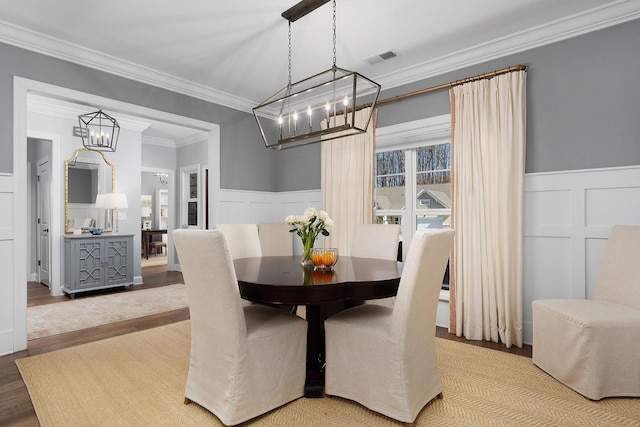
409, 136
185, 195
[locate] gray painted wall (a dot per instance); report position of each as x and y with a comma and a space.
244, 161
582, 101
155, 156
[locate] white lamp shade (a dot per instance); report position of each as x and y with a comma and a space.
100, 201
115, 201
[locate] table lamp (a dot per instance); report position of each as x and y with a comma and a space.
115, 201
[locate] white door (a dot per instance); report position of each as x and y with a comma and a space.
43, 198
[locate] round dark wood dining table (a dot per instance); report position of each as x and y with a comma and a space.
282, 281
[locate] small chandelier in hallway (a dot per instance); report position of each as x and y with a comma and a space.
99, 131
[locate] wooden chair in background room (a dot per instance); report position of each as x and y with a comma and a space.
593, 346
275, 239
378, 241
245, 361
385, 358
243, 240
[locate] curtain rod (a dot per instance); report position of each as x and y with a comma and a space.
449, 85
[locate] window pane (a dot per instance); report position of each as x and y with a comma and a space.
433, 177
192, 213
193, 185
390, 180
433, 221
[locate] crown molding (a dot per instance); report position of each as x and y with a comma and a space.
597, 18
41, 43
159, 142
551, 32
170, 143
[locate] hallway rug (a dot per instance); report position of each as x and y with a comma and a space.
139, 379
160, 259
89, 311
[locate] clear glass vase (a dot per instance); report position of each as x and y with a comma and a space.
307, 245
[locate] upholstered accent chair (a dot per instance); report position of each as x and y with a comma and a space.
385, 358
275, 239
375, 241
593, 346
245, 360
243, 240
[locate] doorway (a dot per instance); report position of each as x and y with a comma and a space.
19, 269
157, 217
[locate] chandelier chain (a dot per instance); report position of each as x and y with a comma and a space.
334, 33
290, 54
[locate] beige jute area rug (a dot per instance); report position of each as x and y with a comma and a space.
88, 311
138, 380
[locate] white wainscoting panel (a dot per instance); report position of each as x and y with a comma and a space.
254, 207
248, 207
568, 217
7, 326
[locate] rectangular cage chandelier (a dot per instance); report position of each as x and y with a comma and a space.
99, 131
319, 108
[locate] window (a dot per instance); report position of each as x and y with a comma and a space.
190, 209
413, 179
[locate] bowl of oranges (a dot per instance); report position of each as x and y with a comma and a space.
324, 259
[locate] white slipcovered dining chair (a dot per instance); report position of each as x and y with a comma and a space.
385, 358
593, 346
275, 239
243, 240
244, 361
378, 241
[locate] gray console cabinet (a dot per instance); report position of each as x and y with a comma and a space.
97, 262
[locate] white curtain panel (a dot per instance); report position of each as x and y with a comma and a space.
488, 161
347, 182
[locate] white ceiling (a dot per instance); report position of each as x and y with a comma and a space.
235, 52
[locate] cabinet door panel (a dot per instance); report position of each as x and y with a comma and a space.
118, 261
90, 267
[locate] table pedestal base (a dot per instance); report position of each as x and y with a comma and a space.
316, 315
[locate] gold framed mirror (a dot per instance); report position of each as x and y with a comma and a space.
86, 174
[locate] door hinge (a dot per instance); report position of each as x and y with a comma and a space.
38, 178
39, 263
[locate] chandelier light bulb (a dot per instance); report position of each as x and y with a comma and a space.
346, 103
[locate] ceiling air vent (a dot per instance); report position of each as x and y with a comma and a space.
381, 57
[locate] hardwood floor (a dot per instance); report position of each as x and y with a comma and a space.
15, 404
